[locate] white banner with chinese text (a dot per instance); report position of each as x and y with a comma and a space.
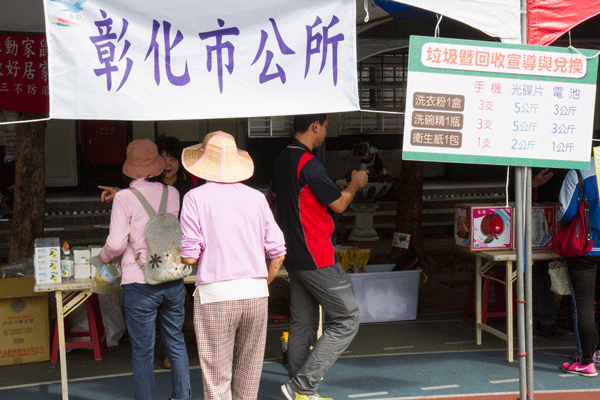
156, 60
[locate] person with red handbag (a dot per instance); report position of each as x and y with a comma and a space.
578, 186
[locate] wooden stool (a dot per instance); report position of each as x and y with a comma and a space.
499, 304
95, 333
564, 304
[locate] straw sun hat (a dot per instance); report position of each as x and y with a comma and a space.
218, 159
143, 160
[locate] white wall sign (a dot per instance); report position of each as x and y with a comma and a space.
157, 60
494, 103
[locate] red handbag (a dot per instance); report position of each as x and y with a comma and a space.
575, 239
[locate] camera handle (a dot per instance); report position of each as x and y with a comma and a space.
364, 166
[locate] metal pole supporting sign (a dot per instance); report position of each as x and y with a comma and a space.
523, 271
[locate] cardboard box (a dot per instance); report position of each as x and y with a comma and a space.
386, 295
25, 334
484, 226
47, 260
555, 222
543, 225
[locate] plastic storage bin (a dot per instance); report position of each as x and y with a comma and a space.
386, 295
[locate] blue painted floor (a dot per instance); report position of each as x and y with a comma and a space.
374, 377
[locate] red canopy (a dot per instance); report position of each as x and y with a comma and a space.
547, 20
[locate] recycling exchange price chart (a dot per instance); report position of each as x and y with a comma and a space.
495, 103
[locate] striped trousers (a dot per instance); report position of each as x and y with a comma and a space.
231, 338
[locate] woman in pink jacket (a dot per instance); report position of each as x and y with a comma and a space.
144, 303
229, 230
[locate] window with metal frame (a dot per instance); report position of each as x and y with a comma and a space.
264, 127
382, 87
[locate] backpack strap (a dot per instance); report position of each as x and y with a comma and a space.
162, 209
586, 210
581, 195
147, 205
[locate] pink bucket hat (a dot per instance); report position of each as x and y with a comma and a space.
143, 160
218, 159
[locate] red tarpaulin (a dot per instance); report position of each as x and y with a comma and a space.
24, 73
547, 20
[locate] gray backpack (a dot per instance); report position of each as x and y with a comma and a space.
163, 233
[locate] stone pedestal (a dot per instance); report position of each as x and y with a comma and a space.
363, 228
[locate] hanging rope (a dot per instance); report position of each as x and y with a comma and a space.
507, 180
24, 122
578, 52
367, 10
437, 26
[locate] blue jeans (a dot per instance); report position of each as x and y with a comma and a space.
142, 303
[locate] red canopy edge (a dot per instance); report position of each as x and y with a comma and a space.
547, 20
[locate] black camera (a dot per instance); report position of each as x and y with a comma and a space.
360, 149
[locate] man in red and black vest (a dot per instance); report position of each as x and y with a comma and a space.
306, 199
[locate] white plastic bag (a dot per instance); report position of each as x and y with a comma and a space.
111, 307
559, 277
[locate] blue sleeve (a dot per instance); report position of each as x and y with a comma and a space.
568, 198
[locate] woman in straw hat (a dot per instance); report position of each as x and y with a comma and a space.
228, 229
143, 303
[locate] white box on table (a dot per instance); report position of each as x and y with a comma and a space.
95, 250
81, 254
386, 295
47, 260
82, 270
484, 226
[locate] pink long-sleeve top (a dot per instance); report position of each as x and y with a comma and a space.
229, 228
127, 224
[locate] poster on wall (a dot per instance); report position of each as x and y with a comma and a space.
156, 60
500, 104
24, 73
